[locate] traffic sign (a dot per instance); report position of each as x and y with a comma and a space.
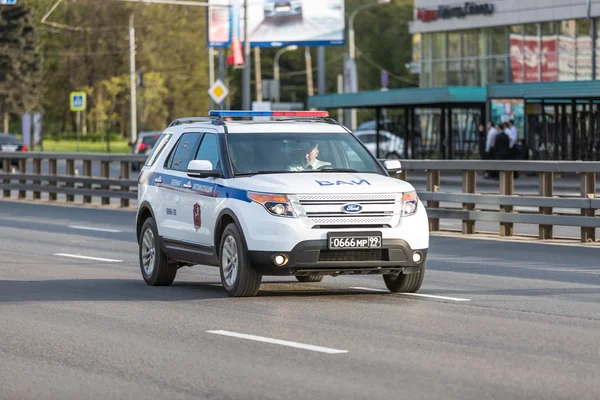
78, 101
8, 2
218, 91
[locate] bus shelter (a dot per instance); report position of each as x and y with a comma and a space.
560, 120
432, 123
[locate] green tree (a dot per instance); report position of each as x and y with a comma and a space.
20, 64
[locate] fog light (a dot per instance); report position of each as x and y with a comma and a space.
280, 260
417, 257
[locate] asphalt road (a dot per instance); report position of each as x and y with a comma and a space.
514, 321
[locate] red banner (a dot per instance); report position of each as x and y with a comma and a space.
549, 59
528, 61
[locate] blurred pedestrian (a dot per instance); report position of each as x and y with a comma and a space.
492, 131
482, 139
502, 143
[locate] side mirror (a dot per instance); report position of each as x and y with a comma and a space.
393, 166
201, 169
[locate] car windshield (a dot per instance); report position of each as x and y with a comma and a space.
253, 153
7, 139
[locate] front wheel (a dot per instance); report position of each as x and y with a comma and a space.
405, 283
154, 264
308, 279
237, 275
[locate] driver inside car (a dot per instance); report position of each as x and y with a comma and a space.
310, 161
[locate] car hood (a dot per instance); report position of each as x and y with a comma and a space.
322, 183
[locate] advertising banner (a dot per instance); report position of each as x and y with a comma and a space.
528, 61
503, 110
276, 23
561, 58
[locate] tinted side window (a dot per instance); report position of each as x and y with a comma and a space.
209, 150
156, 150
183, 152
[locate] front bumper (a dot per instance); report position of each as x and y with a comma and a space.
313, 258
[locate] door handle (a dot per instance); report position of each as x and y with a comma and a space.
187, 185
158, 180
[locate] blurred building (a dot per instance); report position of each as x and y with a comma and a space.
476, 43
534, 61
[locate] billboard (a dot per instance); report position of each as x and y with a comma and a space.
503, 110
560, 58
277, 23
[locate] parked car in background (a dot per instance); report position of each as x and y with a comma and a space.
390, 145
278, 8
10, 143
144, 144
388, 125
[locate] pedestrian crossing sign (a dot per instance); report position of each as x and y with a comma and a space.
78, 101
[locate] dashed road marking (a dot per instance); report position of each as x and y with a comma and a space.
87, 257
429, 296
89, 228
279, 342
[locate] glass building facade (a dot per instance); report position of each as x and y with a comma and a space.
537, 52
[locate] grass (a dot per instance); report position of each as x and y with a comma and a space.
70, 146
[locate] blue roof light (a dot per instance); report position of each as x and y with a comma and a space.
240, 114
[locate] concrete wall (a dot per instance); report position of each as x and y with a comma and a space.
506, 12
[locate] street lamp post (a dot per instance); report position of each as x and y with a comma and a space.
276, 63
352, 48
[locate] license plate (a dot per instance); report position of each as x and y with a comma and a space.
354, 241
9, 148
283, 9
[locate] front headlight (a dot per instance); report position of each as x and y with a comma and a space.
410, 202
276, 204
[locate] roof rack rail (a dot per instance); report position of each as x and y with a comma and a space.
191, 120
310, 119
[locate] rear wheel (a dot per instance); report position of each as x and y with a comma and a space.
313, 278
154, 264
405, 283
237, 275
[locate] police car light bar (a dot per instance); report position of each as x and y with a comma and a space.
231, 113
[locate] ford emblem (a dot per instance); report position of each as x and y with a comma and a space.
352, 208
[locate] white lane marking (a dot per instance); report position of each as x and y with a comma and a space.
87, 258
431, 296
89, 228
296, 345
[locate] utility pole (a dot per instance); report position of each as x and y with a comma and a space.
211, 72
222, 70
258, 74
309, 76
133, 99
247, 63
322, 72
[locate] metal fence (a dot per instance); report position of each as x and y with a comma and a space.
58, 173
106, 177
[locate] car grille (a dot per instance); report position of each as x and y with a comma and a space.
351, 255
325, 211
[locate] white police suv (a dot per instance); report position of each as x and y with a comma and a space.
297, 195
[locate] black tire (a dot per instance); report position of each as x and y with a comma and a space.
405, 283
163, 272
246, 282
308, 279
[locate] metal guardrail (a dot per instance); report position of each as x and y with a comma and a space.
546, 200
465, 204
70, 182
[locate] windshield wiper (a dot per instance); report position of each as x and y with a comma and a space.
261, 173
332, 170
